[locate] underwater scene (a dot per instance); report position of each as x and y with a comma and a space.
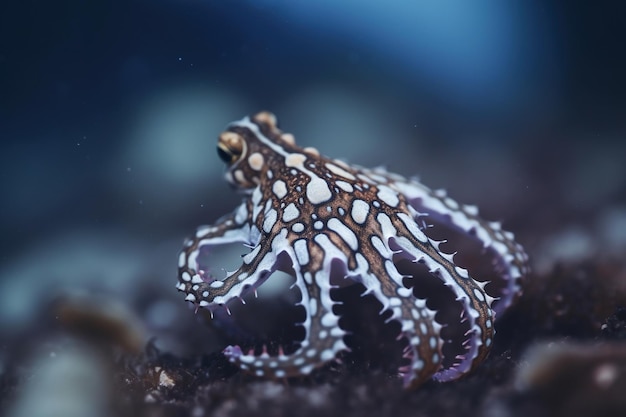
295, 208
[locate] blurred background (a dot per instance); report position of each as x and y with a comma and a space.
109, 113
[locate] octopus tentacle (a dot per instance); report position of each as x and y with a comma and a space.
417, 321
232, 228
323, 338
475, 305
401, 232
511, 260
257, 266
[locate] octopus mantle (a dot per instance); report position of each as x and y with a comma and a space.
337, 222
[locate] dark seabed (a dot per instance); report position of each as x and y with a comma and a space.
109, 116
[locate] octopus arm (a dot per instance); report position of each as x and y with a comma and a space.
476, 309
510, 261
402, 234
417, 321
323, 337
193, 277
257, 266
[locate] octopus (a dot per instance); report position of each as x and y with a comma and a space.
325, 221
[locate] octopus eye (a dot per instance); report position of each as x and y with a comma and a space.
230, 147
224, 155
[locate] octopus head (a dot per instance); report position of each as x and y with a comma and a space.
251, 145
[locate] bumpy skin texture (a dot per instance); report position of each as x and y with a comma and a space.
321, 217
